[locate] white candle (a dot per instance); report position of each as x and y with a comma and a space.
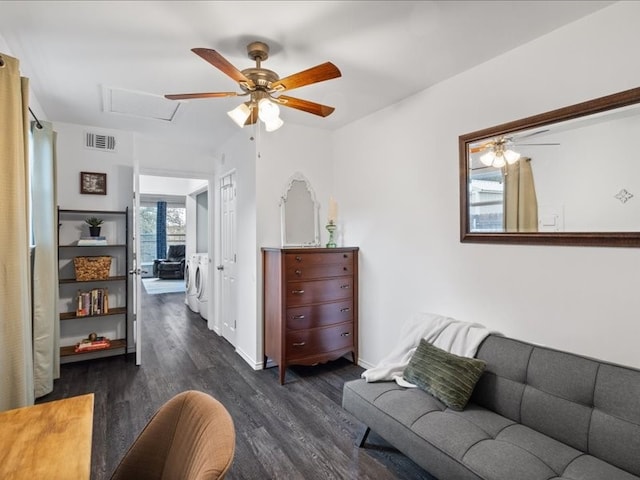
333, 211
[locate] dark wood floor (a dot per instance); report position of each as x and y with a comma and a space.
295, 431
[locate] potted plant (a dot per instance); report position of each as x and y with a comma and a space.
94, 225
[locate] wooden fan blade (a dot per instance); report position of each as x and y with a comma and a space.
477, 149
319, 73
482, 146
305, 105
187, 96
222, 64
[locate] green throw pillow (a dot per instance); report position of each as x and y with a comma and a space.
448, 377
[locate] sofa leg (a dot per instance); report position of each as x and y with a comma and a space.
363, 437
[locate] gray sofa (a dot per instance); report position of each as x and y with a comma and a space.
536, 413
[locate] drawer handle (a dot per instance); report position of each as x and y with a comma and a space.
345, 255
347, 309
297, 292
298, 272
298, 258
298, 317
299, 344
345, 269
345, 286
345, 334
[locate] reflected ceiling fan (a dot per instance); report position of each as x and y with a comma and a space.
499, 152
264, 87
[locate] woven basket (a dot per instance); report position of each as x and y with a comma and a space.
92, 268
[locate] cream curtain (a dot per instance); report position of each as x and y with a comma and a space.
16, 355
46, 350
520, 202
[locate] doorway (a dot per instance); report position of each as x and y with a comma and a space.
171, 221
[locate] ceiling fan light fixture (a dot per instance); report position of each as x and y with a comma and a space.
267, 110
499, 161
240, 114
273, 125
511, 156
488, 158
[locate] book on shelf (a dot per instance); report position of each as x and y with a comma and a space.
87, 241
92, 302
99, 343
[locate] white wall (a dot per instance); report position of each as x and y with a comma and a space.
284, 152
238, 154
396, 174
263, 164
170, 185
73, 158
580, 177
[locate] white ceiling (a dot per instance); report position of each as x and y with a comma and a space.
386, 50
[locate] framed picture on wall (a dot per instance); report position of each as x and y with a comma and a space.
93, 183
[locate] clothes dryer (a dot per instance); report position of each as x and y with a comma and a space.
191, 292
202, 286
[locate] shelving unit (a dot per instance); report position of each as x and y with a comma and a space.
114, 323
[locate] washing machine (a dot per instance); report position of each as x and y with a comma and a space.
191, 292
202, 286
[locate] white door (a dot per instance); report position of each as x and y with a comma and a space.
228, 257
135, 269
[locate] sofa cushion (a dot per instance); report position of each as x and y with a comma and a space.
498, 460
615, 440
448, 377
614, 435
587, 467
455, 434
501, 387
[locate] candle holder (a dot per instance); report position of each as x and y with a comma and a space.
331, 228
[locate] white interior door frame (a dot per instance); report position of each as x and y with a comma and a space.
135, 271
211, 240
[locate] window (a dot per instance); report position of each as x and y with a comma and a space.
176, 229
486, 201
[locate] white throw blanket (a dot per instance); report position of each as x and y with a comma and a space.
454, 336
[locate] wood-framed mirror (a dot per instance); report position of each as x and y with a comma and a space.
570, 176
299, 214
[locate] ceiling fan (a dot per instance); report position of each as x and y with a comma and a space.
499, 151
264, 87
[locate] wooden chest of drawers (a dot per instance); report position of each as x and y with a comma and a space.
310, 305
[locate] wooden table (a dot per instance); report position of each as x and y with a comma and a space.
51, 440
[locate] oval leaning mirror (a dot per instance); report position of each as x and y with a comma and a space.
565, 177
299, 214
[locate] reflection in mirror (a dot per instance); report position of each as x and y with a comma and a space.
299, 214
563, 177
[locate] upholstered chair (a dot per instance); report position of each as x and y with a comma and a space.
171, 267
191, 437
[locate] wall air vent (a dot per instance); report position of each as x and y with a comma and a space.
96, 141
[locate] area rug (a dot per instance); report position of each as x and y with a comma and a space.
155, 286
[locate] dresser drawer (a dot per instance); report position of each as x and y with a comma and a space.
318, 291
306, 272
312, 316
303, 343
307, 259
